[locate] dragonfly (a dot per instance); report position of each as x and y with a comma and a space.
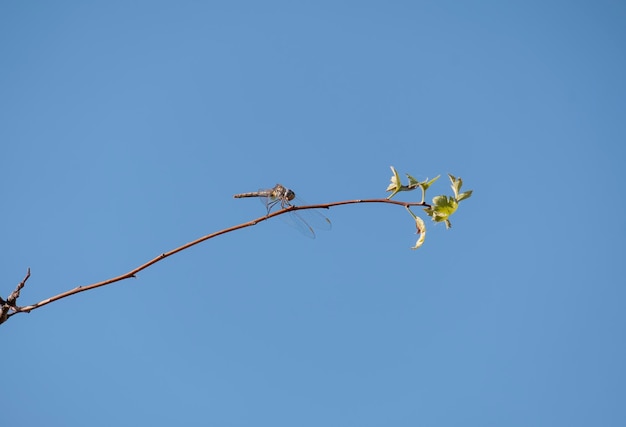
303, 220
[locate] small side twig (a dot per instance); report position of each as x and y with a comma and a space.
11, 302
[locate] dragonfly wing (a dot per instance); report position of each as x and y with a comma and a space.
306, 221
313, 217
295, 220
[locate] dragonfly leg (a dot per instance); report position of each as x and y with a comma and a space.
271, 205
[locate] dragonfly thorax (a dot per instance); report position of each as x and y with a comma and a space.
282, 193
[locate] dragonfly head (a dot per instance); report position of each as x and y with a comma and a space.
290, 195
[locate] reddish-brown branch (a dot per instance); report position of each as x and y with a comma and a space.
132, 273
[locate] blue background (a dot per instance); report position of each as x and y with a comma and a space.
126, 127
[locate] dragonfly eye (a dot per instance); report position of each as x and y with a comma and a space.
290, 195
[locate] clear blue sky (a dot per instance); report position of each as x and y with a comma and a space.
126, 127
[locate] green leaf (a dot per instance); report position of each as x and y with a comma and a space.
421, 229
412, 181
396, 185
441, 209
464, 195
445, 204
457, 183
426, 184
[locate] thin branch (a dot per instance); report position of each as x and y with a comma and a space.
132, 273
